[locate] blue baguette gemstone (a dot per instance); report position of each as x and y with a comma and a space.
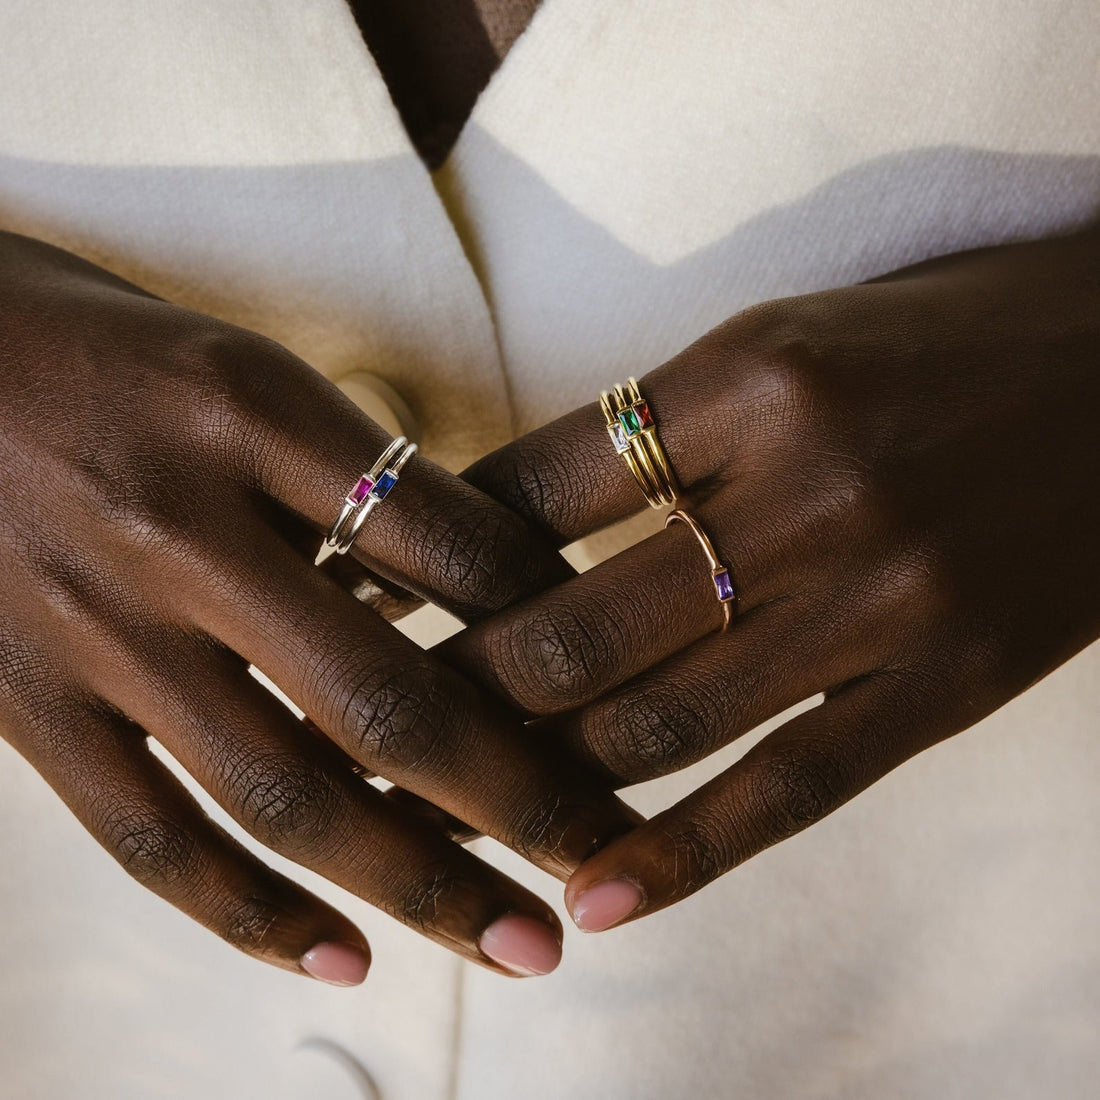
387, 479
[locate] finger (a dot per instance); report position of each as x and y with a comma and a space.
570, 645
403, 714
790, 780
566, 477
566, 647
382, 596
448, 543
410, 718
446, 824
350, 763
411, 803
683, 709
442, 539
442, 821
102, 768
295, 794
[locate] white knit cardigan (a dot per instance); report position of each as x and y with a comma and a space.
635, 173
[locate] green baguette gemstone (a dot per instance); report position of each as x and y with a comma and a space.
629, 420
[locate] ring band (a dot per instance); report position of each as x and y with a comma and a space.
719, 573
371, 488
649, 442
637, 423
623, 447
633, 433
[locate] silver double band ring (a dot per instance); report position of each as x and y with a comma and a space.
368, 492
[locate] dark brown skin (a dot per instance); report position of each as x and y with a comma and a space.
166, 481
903, 477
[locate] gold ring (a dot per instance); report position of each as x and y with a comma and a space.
623, 446
719, 573
650, 442
633, 433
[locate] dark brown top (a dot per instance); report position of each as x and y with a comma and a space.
437, 56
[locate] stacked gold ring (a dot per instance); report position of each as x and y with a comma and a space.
633, 433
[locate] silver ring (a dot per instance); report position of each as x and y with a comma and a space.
366, 494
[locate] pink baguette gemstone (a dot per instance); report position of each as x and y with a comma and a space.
362, 487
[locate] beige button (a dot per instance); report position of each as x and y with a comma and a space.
381, 402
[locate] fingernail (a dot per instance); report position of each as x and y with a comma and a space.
336, 963
602, 906
525, 945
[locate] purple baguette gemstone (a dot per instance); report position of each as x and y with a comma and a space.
362, 487
723, 585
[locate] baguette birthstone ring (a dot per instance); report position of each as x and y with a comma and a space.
373, 487
719, 573
633, 433
648, 440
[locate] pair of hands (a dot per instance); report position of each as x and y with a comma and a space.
900, 474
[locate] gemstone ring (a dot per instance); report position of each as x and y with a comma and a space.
633, 433
719, 573
371, 488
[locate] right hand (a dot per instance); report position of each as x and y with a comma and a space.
166, 479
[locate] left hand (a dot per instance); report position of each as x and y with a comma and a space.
902, 477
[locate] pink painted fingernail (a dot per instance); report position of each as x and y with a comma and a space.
602, 906
336, 963
525, 945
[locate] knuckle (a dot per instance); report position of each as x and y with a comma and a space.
786, 343
654, 731
127, 497
699, 851
424, 903
227, 378
559, 657
154, 525
155, 851
158, 507
248, 923
952, 675
229, 362
481, 556
287, 804
541, 826
21, 679
986, 657
798, 788
915, 587
529, 481
835, 498
401, 716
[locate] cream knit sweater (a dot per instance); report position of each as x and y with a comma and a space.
635, 173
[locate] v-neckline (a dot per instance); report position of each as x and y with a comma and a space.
435, 89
